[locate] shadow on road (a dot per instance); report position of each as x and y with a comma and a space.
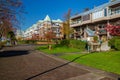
13, 53
55, 67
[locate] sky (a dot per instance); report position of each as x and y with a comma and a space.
56, 9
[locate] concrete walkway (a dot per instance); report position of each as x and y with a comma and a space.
25, 63
104, 46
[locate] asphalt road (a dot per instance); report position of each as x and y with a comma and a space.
24, 63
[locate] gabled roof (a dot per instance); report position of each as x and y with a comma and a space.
40, 21
58, 20
47, 18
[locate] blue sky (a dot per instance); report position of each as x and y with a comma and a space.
38, 9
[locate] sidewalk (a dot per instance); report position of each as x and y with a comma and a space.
104, 46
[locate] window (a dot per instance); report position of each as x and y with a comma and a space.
105, 12
86, 17
98, 14
114, 11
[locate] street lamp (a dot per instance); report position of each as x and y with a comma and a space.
1, 23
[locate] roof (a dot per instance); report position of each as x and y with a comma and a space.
58, 20
110, 3
90, 32
40, 21
47, 18
114, 2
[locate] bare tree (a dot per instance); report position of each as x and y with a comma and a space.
49, 36
10, 10
66, 25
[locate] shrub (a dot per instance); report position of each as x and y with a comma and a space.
78, 44
117, 44
2, 44
71, 43
95, 38
27, 42
21, 41
111, 43
65, 43
114, 42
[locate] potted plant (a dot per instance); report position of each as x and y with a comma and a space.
95, 38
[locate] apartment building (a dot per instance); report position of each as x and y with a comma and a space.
37, 31
94, 21
19, 34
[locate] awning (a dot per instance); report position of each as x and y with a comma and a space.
90, 32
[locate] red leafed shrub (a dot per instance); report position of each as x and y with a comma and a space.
113, 30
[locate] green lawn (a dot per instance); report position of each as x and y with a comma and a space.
57, 50
108, 61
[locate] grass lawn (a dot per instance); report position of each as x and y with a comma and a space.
57, 50
107, 61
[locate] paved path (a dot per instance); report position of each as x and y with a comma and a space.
24, 63
104, 46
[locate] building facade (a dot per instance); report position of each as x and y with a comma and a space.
93, 22
39, 30
19, 34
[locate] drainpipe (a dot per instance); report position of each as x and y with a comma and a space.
108, 34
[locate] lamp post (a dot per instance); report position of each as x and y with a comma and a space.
1, 23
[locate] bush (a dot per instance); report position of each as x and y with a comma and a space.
71, 43
21, 42
111, 43
2, 44
114, 43
95, 38
27, 42
64, 43
31, 41
117, 44
78, 44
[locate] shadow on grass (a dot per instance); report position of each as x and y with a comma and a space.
13, 53
39, 74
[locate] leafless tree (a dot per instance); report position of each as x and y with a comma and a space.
10, 11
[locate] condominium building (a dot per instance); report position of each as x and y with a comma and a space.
19, 34
37, 31
94, 21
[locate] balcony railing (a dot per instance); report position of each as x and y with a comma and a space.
114, 11
102, 31
75, 22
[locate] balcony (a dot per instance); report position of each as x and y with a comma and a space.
102, 32
114, 12
75, 23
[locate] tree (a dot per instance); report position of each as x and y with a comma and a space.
49, 35
11, 37
66, 25
10, 11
